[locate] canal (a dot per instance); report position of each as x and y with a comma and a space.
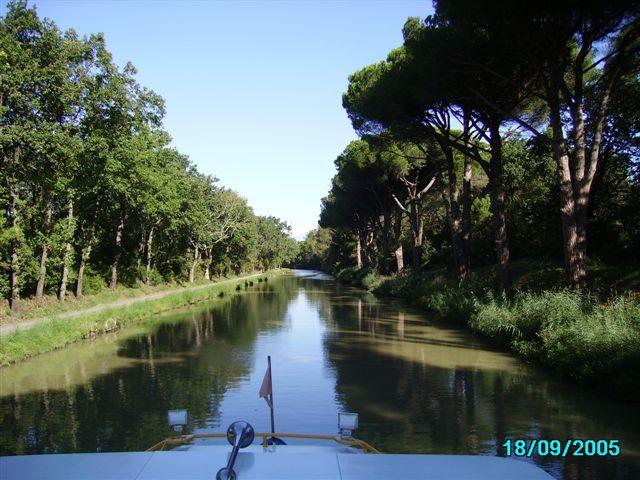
420, 386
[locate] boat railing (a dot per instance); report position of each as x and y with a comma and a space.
185, 439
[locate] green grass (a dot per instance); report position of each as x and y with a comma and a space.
56, 333
49, 304
571, 332
590, 336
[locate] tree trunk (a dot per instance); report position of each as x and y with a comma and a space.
192, 270
398, 238
450, 198
86, 251
358, 249
416, 231
498, 208
386, 229
207, 270
116, 259
574, 269
141, 248
14, 275
45, 252
580, 177
62, 292
147, 280
466, 201
370, 248
582, 197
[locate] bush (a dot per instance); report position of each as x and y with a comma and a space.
371, 280
452, 303
92, 282
155, 277
602, 342
366, 278
434, 291
571, 332
403, 285
347, 275
496, 320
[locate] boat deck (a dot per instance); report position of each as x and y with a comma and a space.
295, 463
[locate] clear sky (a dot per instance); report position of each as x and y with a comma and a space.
252, 89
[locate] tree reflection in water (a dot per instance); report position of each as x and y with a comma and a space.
113, 394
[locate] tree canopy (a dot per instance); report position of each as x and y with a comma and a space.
92, 190
511, 117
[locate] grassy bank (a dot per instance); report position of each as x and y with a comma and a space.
57, 332
592, 336
49, 305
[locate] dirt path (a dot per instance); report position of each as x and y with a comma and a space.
12, 327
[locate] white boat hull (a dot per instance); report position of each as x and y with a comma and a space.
294, 463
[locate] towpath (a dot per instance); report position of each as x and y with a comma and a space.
12, 327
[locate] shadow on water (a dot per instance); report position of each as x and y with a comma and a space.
419, 386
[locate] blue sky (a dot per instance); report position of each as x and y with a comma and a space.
252, 89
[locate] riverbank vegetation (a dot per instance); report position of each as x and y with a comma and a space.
499, 150
589, 335
92, 193
59, 331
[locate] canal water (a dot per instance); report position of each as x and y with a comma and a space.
419, 386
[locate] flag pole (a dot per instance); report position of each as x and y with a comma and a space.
273, 429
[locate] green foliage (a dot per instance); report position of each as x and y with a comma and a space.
89, 173
347, 275
572, 332
433, 291
275, 246
313, 251
93, 282
371, 280
528, 79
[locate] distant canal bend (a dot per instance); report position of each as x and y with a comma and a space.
419, 386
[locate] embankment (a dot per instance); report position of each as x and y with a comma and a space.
591, 336
47, 334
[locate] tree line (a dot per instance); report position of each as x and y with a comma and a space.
92, 193
494, 126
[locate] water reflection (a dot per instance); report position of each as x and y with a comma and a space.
424, 387
419, 386
113, 393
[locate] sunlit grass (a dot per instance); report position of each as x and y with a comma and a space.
49, 304
572, 332
56, 333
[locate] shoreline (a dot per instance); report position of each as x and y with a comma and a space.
577, 337
46, 334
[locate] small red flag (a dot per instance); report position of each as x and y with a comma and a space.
265, 389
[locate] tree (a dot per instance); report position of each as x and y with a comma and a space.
88, 175
414, 166
578, 52
314, 249
275, 244
30, 77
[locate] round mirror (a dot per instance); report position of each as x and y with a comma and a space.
242, 433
